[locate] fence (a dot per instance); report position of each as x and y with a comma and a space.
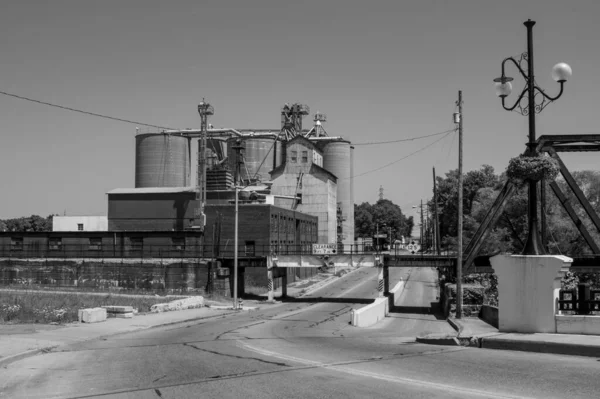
581, 301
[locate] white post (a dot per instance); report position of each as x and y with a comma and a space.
270, 277
380, 278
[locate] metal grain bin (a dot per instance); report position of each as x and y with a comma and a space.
162, 160
259, 154
337, 158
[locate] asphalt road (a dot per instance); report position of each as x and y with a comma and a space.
304, 348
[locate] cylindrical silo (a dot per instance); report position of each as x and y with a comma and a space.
162, 160
260, 154
337, 158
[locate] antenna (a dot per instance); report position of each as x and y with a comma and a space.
380, 193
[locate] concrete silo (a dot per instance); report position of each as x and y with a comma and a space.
162, 160
338, 159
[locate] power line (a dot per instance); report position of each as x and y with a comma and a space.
84, 112
402, 140
403, 158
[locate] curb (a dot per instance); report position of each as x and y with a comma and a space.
540, 347
225, 307
5, 361
454, 325
446, 341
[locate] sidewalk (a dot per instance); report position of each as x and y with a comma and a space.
18, 341
476, 332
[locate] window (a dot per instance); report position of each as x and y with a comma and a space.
250, 248
16, 243
137, 243
95, 243
304, 156
79, 226
178, 243
294, 156
55, 243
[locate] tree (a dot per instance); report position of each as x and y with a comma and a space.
363, 220
28, 224
473, 182
384, 212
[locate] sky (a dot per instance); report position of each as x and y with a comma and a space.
380, 70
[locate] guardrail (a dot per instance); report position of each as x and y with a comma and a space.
581, 301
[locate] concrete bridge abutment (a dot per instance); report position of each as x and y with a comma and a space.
528, 287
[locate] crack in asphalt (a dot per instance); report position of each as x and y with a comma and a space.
218, 337
237, 356
259, 373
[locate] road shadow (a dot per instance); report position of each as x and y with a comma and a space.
433, 309
365, 301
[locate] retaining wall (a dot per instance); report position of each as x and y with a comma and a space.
145, 274
489, 314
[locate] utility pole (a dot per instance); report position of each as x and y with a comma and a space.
436, 217
421, 243
237, 148
459, 260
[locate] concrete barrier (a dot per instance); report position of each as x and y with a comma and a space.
396, 291
378, 310
577, 324
370, 314
92, 315
180, 304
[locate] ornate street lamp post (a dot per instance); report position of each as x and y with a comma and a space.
560, 73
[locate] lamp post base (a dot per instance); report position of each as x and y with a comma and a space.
534, 245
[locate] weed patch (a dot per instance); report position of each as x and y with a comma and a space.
45, 307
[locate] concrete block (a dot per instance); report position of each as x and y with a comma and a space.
92, 315
180, 304
121, 315
118, 309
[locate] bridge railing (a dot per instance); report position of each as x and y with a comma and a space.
178, 250
582, 301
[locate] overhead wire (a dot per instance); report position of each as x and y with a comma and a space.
451, 146
403, 140
403, 158
84, 112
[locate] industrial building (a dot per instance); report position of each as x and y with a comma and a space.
304, 170
294, 188
79, 223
